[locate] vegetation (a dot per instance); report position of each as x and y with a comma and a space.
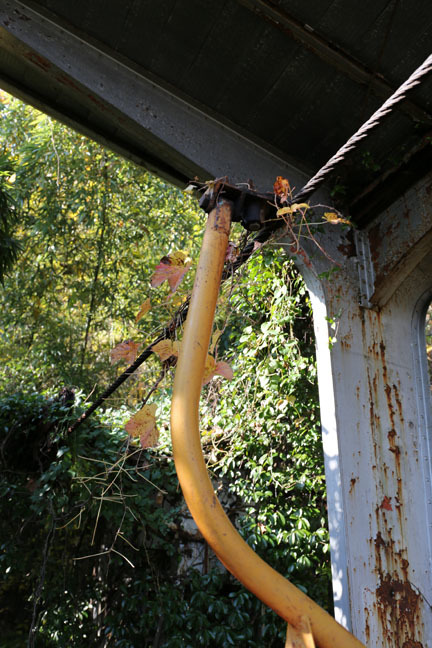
97, 547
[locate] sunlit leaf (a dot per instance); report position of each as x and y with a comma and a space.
224, 369
334, 218
282, 187
171, 268
215, 337
212, 368
292, 208
144, 308
166, 348
126, 351
179, 258
176, 299
143, 425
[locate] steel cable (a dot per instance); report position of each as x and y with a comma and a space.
265, 233
364, 130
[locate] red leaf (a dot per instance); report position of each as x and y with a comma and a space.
125, 351
173, 273
212, 368
282, 188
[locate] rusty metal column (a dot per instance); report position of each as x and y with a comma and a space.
376, 419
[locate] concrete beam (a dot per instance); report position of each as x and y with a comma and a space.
124, 107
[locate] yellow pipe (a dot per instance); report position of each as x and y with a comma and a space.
261, 579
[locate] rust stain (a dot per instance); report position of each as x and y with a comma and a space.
386, 504
348, 249
38, 60
398, 603
65, 80
346, 341
367, 628
398, 402
353, 481
379, 541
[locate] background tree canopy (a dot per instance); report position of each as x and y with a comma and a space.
97, 547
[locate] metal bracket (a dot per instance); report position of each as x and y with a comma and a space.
252, 209
366, 270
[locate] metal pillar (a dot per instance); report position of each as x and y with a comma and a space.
376, 418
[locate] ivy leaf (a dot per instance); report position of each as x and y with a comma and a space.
334, 218
212, 368
144, 308
171, 268
126, 351
143, 425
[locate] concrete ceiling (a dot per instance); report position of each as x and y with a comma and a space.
292, 78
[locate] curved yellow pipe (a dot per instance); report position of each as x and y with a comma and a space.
261, 579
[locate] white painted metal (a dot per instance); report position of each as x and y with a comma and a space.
374, 393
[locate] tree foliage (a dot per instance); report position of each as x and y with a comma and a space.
91, 226
97, 547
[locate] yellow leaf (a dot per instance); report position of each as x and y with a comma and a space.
178, 258
164, 349
215, 337
176, 348
176, 300
209, 366
297, 206
143, 425
292, 208
12, 178
334, 218
144, 308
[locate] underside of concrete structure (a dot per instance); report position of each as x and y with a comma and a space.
254, 89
